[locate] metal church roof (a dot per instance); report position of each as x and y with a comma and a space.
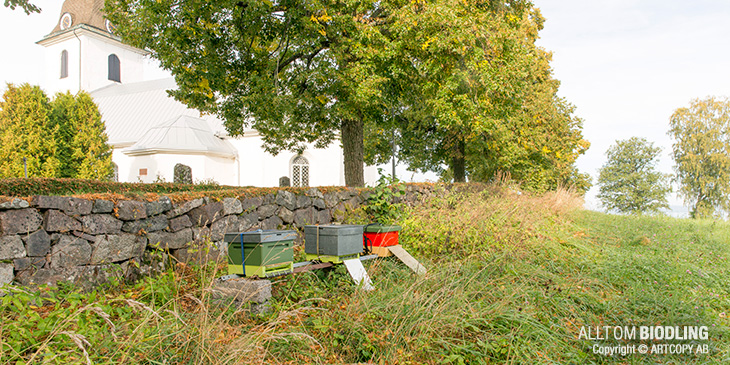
129, 110
182, 134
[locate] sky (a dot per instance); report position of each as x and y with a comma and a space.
625, 64
628, 64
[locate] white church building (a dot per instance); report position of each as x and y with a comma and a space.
151, 132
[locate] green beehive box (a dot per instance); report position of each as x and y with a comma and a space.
261, 250
334, 240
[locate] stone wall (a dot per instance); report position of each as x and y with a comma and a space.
51, 238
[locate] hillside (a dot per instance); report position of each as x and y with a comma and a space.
513, 278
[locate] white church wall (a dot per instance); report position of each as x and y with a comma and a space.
259, 168
96, 53
54, 83
162, 166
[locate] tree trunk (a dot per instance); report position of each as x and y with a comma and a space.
458, 162
353, 151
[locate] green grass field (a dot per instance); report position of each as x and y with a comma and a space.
512, 279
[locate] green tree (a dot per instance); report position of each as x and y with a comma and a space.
23, 4
297, 71
629, 182
91, 156
702, 155
25, 131
60, 118
470, 91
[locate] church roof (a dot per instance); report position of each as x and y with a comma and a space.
182, 134
87, 12
129, 110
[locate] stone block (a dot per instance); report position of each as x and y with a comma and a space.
22, 264
247, 221
180, 223
286, 215
71, 206
199, 254
14, 204
232, 206
100, 224
286, 199
162, 205
243, 290
206, 214
38, 243
115, 248
55, 221
331, 199
271, 223
76, 206
45, 276
25, 263
344, 195
183, 208
70, 252
251, 204
6, 273
170, 240
319, 203
129, 210
303, 201
266, 211
220, 227
156, 223
324, 217
19, 221
201, 235
102, 206
315, 193
11, 247
306, 216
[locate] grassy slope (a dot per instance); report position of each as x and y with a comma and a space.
512, 279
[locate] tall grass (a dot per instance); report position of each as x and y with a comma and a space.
512, 277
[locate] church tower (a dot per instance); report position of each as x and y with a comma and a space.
83, 53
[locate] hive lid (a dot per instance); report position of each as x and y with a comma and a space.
380, 228
334, 230
260, 236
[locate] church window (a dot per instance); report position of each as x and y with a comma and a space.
110, 27
142, 172
114, 68
64, 64
66, 21
115, 176
300, 171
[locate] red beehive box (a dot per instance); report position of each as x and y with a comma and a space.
381, 236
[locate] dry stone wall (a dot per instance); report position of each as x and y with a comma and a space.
53, 238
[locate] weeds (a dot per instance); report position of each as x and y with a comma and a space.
512, 278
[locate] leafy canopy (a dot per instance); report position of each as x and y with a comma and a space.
297, 71
60, 138
26, 132
23, 4
470, 91
702, 154
629, 182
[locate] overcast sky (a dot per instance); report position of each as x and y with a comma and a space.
625, 64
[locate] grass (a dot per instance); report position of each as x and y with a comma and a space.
512, 279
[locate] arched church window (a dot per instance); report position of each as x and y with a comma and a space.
114, 68
115, 173
64, 64
300, 171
